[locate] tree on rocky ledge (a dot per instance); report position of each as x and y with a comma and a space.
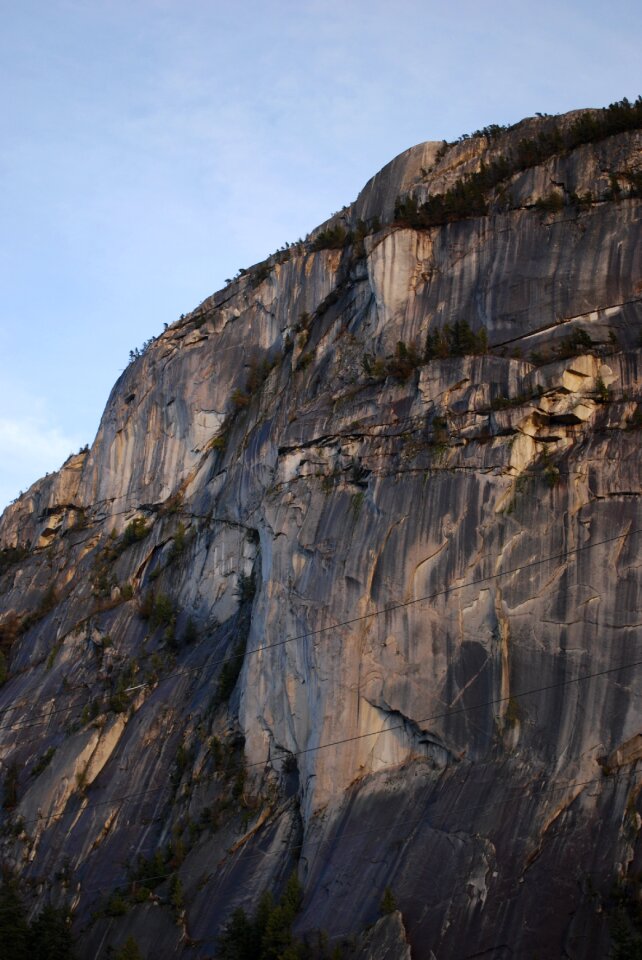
47, 938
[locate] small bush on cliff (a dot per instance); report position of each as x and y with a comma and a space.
552, 203
43, 762
337, 237
634, 177
190, 633
10, 556
259, 369
129, 951
10, 630
332, 238
240, 399
635, 420
455, 340
149, 871
10, 786
260, 273
406, 359
134, 531
375, 368
305, 361
120, 692
179, 543
602, 393
401, 365
388, 903
577, 342
159, 609
141, 351
48, 601
246, 587
550, 471
116, 906
230, 672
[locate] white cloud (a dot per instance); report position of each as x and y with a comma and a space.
30, 446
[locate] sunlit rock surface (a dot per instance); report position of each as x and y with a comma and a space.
428, 576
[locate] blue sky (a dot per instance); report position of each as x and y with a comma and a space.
150, 148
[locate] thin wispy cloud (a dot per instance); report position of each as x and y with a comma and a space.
30, 446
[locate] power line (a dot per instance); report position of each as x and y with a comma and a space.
432, 596
373, 733
341, 837
410, 825
23, 724
366, 616
450, 712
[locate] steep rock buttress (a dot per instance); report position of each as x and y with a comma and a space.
348, 583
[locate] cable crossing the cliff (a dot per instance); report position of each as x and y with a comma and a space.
267, 761
409, 825
445, 591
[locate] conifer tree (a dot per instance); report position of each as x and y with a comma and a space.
51, 937
237, 940
14, 930
388, 903
129, 951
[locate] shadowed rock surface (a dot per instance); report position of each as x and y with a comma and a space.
385, 941
287, 610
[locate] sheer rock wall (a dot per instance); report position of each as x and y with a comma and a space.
403, 551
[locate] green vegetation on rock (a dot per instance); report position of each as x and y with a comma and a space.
470, 196
47, 937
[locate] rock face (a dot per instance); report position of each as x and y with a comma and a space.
319, 599
385, 941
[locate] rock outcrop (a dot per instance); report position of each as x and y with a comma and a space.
348, 583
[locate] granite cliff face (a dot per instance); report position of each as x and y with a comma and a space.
287, 610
